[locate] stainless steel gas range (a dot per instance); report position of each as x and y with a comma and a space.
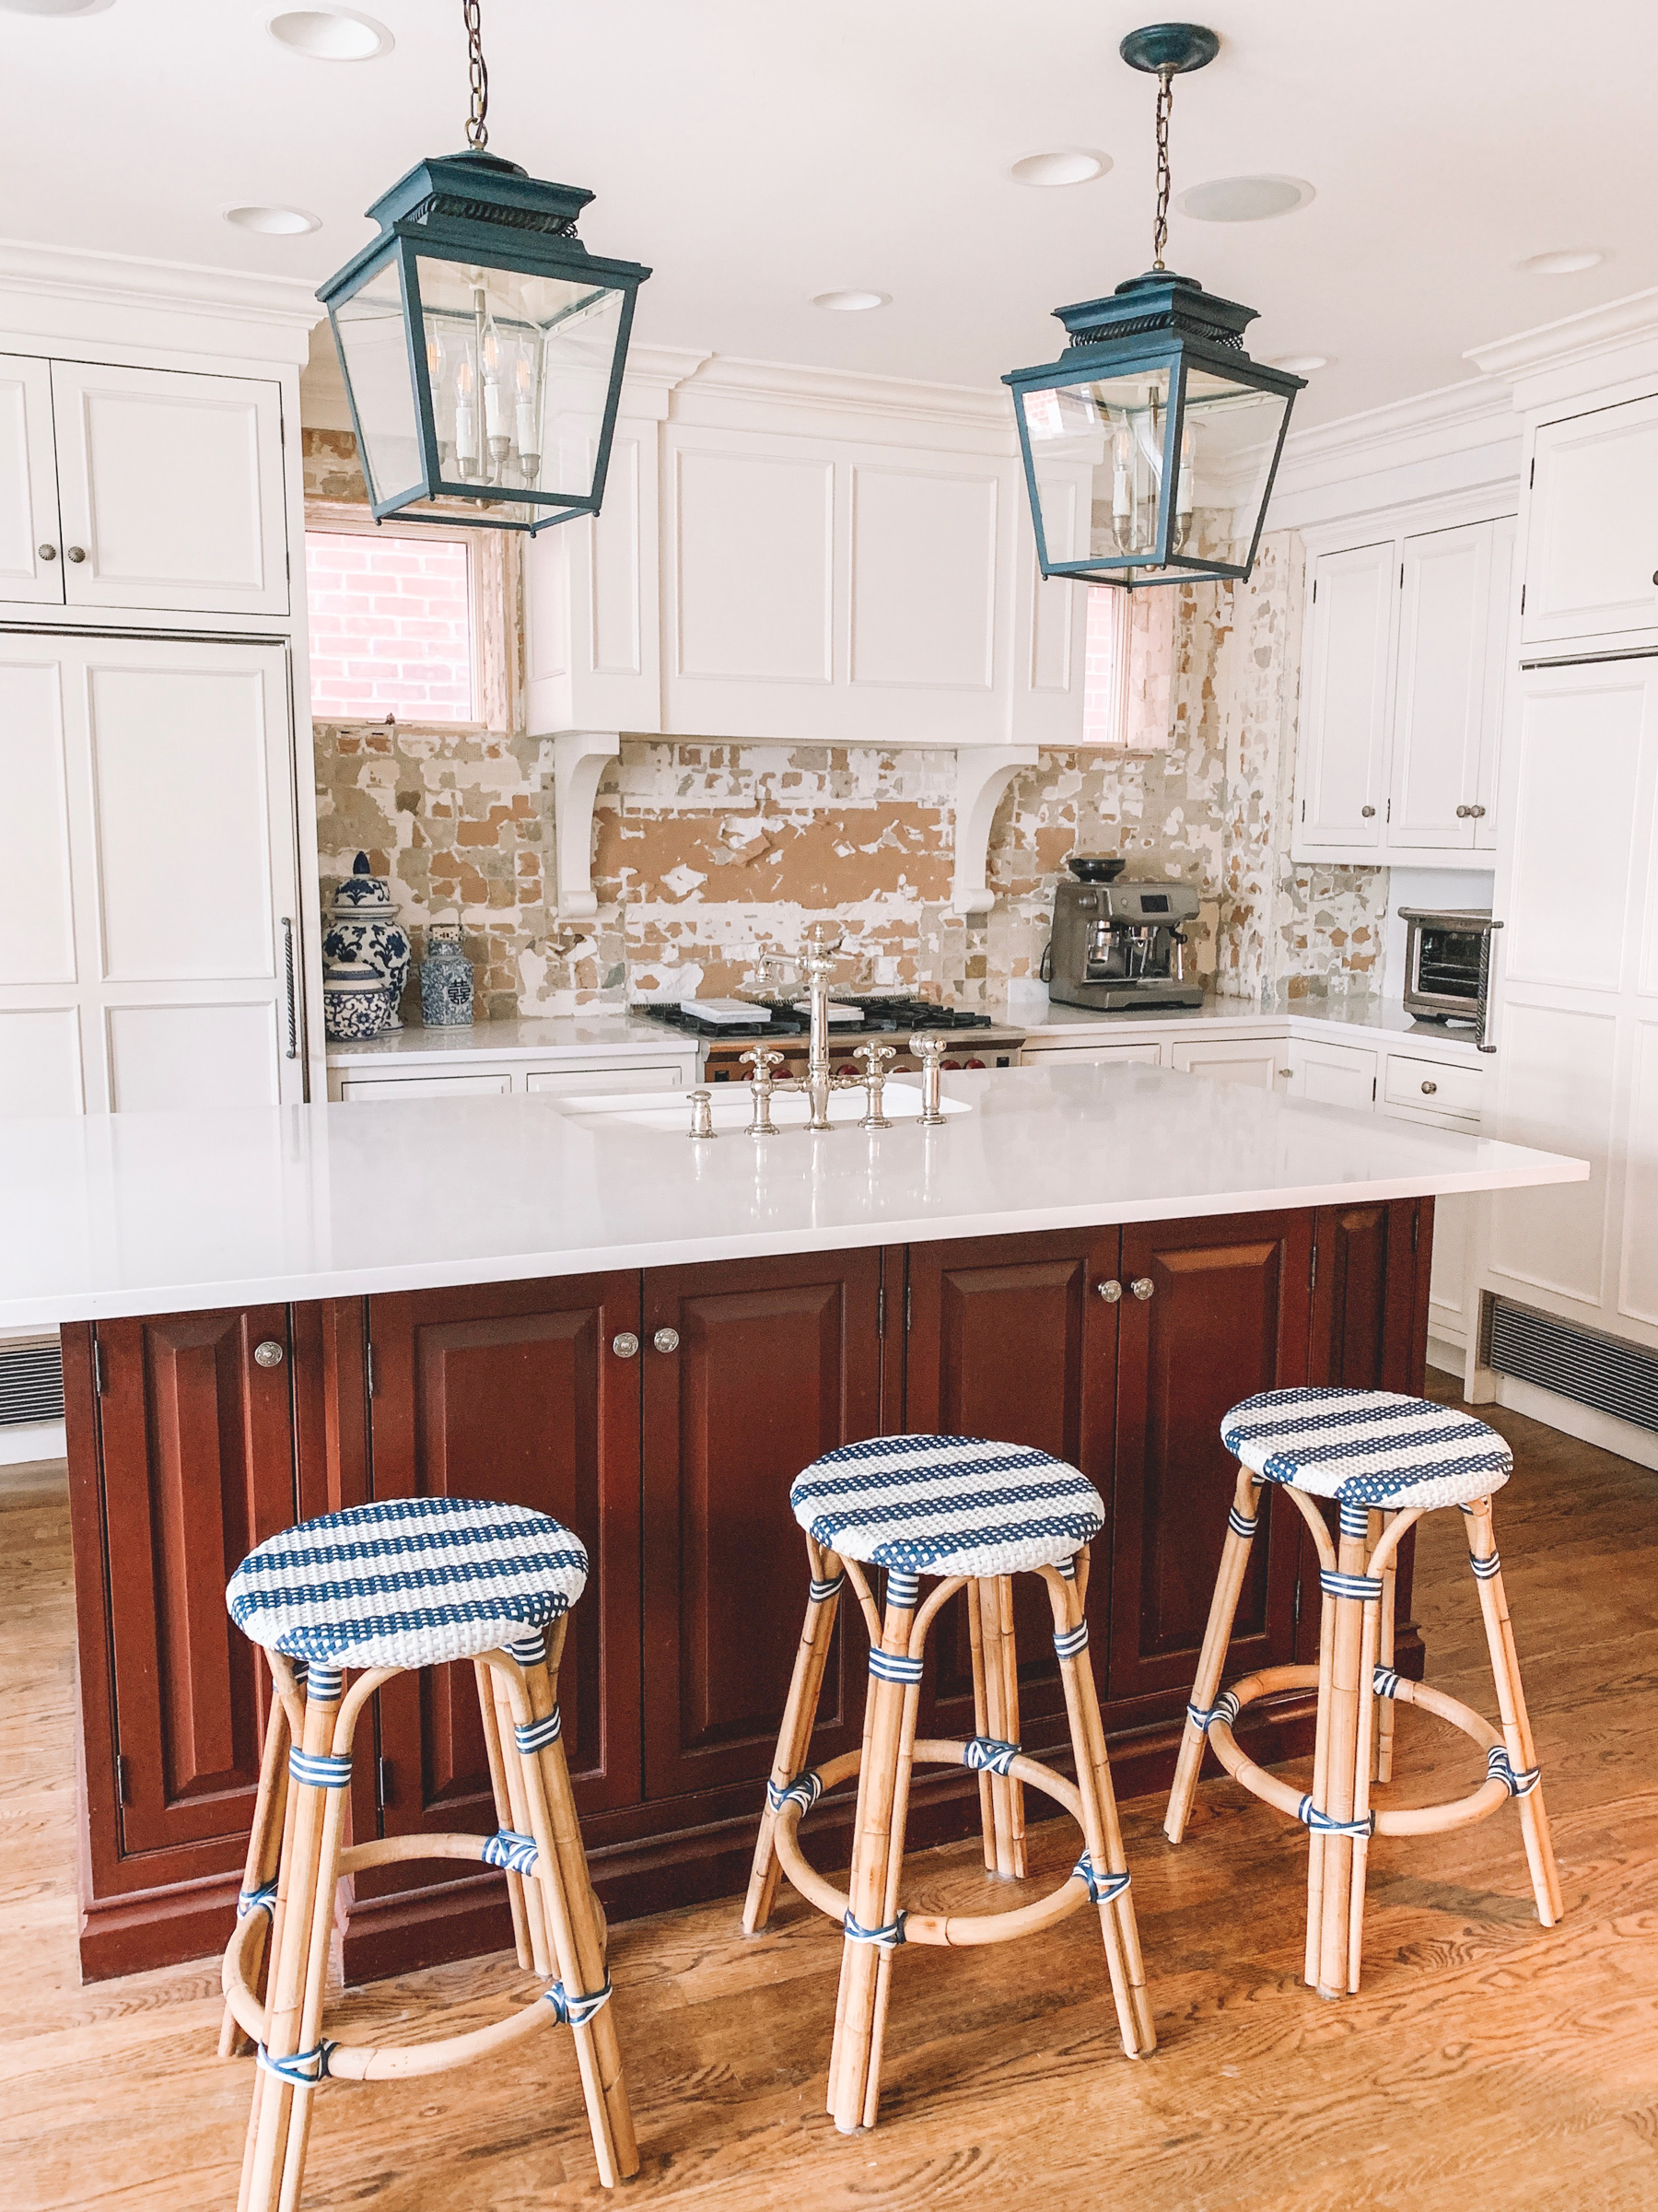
976, 1041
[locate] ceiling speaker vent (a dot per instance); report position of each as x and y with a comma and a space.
31, 1382
1603, 1372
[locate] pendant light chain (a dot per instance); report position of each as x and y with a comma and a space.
477, 123
1160, 229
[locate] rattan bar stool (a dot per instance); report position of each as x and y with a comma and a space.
972, 1512
382, 1588
1386, 1459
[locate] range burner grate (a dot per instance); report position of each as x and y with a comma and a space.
883, 1014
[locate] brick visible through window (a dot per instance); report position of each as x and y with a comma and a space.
390, 627
1105, 671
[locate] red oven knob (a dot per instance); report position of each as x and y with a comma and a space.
974, 1063
950, 1063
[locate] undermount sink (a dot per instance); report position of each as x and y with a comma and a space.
731, 1104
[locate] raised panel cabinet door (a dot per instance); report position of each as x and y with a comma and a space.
1499, 659
752, 1369
1010, 1338
197, 1450
1224, 1314
32, 562
1591, 531
1439, 693
172, 490
1350, 654
1331, 1074
515, 1392
1261, 1062
40, 1015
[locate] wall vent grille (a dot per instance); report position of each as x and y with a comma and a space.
31, 1382
1603, 1372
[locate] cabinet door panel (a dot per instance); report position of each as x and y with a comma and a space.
1227, 1315
1345, 700
778, 1360
171, 487
1439, 720
511, 1391
198, 1467
1332, 1075
1590, 551
1008, 1339
1262, 1062
31, 568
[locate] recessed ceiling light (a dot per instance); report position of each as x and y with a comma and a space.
1068, 165
331, 34
1563, 264
852, 304
55, 7
1244, 199
273, 222
1303, 363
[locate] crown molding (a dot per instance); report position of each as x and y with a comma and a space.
1585, 336
113, 298
729, 391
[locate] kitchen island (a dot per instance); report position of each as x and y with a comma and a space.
274, 1314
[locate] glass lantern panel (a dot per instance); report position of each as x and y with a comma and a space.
375, 353
1107, 431
1228, 438
520, 370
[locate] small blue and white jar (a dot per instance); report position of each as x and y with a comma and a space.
356, 1003
446, 978
364, 931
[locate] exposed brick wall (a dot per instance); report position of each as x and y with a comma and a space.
391, 626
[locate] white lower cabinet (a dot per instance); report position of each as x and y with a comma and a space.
667, 1075
486, 1078
1331, 1074
405, 1087
1147, 1054
1262, 1062
149, 953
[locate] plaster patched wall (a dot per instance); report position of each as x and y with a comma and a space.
708, 856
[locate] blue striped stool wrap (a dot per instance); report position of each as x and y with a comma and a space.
1384, 1682
1519, 1783
528, 1651
821, 1592
991, 1755
1069, 1642
576, 2011
1367, 1447
1225, 1709
1486, 1570
257, 1901
887, 1939
1101, 1887
947, 1506
536, 1735
1242, 1524
319, 1769
1362, 1586
892, 1667
1308, 1814
901, 1590
1353, 1518
323, 1685
407, 1583
507, 1847
304, 2070
804, 1790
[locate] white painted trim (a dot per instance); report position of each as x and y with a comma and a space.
579, 759
982, 774
32, 1440
730, 393
58, 296
1581, 337
1586, 1423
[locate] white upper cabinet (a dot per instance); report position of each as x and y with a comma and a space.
141, 490
1344, 698
1402, 694
1592, 536
30, 566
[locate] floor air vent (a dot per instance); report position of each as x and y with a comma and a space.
31, 1382
1603, 1372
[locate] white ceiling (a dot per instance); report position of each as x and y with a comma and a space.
755, 152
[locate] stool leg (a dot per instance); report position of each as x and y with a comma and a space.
503, 1802
794, 1738
981, 1721
264, 1854
895, 1879
1321, 1785
1347, 1691
849, 2061
576, 1926
993, 1596
1101, 1829
1510, 1706
1211, 1662
1364, 1753
1384, 1706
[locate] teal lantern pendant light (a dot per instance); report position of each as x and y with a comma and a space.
482, 345
1154, 416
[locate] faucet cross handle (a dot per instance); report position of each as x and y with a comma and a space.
760, 1091
874, 1058
763, 1060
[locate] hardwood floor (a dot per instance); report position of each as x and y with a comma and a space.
1487, 2062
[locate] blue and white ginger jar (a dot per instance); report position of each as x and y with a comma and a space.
446, 978
364, 931
355, 1003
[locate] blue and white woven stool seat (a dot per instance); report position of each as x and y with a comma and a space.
947, 1506
407, 1583
1368, 1448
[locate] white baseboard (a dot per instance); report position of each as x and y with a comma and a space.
31, 1439
1585, 1421
1447, 1355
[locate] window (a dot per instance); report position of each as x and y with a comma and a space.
391, 626
1105, 668
1128, 675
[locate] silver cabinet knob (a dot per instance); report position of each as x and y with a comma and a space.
268, 1354
1429, 1088
77, 553
1110, 1291
1463, 813
666, 1339
1285, 1074
1142, 1286
625, 1345
47, 553
1478, 813
1367, 812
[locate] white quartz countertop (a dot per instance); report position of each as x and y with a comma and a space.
1352, 1021
541, 1037
139, 1213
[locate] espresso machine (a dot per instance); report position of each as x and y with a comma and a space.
1119, 945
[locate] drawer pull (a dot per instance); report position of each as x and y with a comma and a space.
47, 553
268, 1354
1142, 1286
1368, 811
1429, 1089
77, 553
625, 1345
1111, 1290
666, 1339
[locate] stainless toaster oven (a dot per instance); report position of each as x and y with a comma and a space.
1448, 964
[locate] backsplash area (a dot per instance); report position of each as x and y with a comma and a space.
708, 856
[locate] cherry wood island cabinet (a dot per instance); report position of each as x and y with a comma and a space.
189, 1442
